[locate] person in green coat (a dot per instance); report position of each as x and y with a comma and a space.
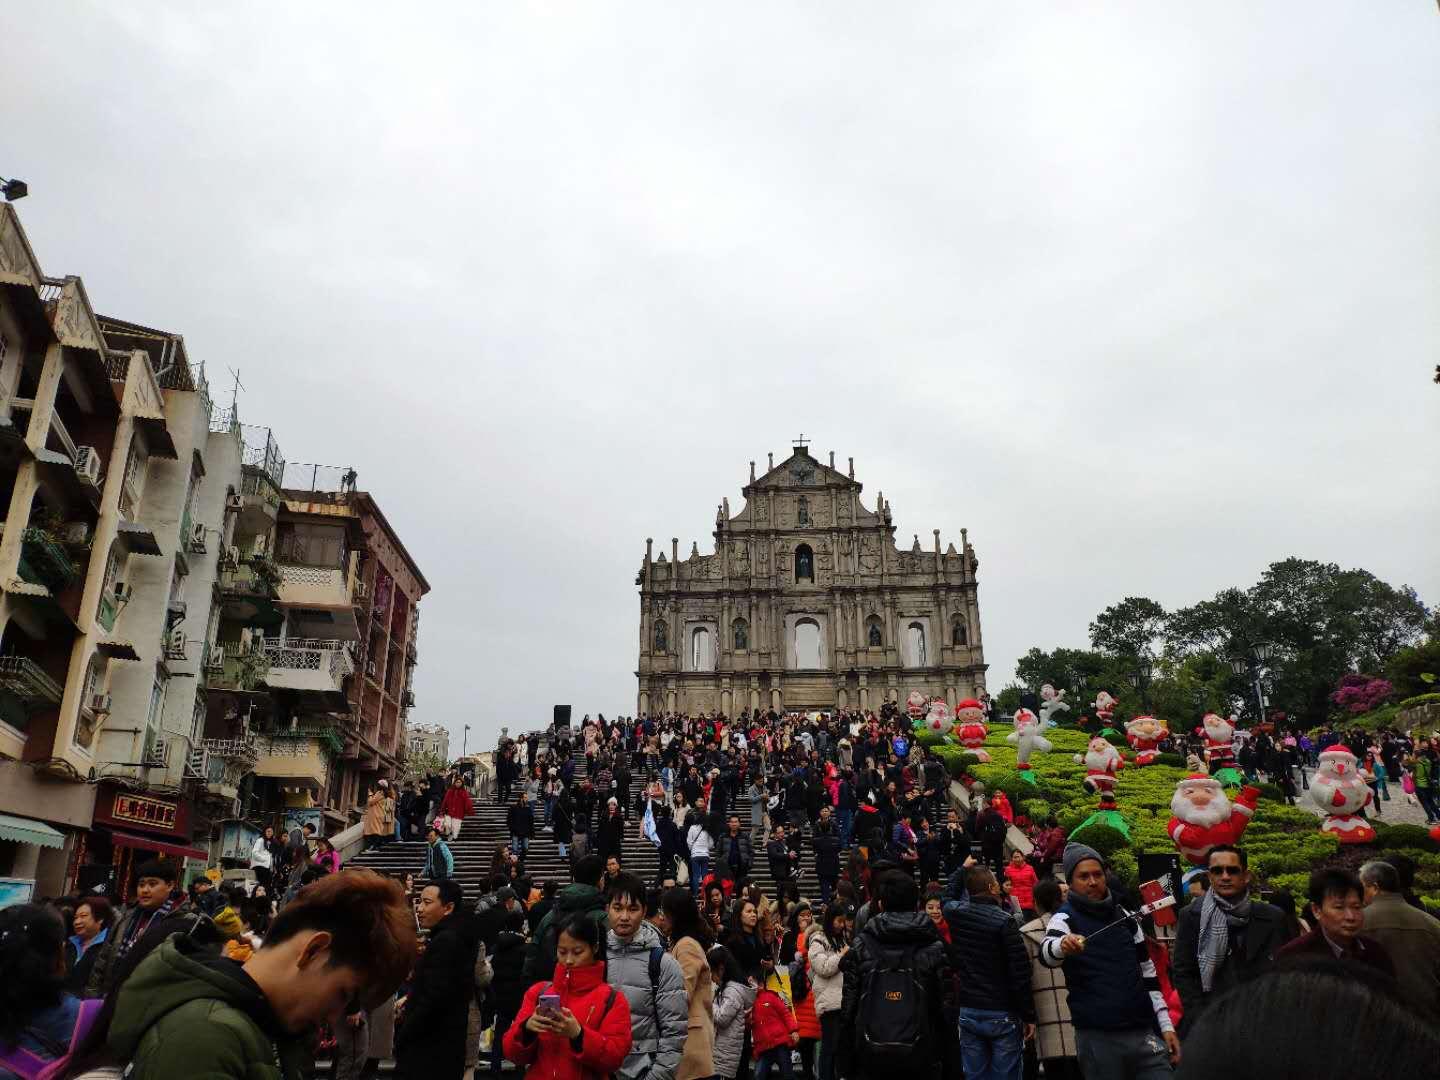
345, 942
582, 898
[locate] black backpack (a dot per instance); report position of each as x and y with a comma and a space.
895, 1012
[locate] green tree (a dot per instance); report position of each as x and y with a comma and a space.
1408, 669
1129, 628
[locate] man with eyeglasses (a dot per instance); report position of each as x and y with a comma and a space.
1225, 937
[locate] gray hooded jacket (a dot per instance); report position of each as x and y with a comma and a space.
653, 1054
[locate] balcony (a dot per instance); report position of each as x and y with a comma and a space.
314, 669
320, 599
25, 679
243, 672
44, 562
259, 502
222, 765
256, 576
294, 759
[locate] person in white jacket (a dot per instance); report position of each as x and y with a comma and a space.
827, 945
700, 839
261, 862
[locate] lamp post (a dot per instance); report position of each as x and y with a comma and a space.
1250, 665
465, 742
1140, 680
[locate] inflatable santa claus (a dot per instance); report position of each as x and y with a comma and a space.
1104, 706
1219, 741
937, 718
1144, 734
1102, 762
970, 728
1204, 816
1026, 739
915, 704
1052, 701
1340, 791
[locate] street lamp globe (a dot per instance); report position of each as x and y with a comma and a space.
1263, 651
1238, 665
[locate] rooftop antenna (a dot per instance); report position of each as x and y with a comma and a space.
235, 390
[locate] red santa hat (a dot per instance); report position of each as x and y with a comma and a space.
969, 703
1338, 748
1201, 778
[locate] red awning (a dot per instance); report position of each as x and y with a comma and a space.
120, 839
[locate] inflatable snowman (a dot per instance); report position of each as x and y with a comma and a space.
1340, 791
1052, 701
938, 718
1026, 739
970, 728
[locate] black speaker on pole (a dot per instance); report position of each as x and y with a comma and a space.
562, 716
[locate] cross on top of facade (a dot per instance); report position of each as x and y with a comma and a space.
800, 441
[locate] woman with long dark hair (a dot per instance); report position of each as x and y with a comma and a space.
39, 1021
826, 946
689, 938
744, 940
794, 954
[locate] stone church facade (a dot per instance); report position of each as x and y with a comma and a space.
807, 604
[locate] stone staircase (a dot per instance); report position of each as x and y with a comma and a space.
486, 830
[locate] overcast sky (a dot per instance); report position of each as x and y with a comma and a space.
1144, 294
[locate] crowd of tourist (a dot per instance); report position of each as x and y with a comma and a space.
932, 943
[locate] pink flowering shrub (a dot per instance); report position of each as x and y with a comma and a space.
1358, 694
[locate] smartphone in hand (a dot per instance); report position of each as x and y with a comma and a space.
548, 1005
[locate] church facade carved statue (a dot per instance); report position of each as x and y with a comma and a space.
811, 586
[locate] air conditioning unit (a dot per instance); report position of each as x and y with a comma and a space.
197, 536
216, 660
158, 753
360, 590
232, 556
87, 465
100, 703
235, 502
122, 592
175, 644
77, 532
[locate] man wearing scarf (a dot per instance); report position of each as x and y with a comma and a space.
1122, 1025
1224, 938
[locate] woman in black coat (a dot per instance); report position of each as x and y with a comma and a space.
507, 988
610, 836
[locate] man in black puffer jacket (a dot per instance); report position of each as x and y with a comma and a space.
891, 1010
508, 986
992, 968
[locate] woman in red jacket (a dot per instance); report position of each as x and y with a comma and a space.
588, 1031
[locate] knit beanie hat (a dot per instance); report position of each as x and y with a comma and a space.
1075, 854
227, 922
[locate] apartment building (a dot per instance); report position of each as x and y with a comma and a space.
82, 424
428, 740
190, 647
328, 528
